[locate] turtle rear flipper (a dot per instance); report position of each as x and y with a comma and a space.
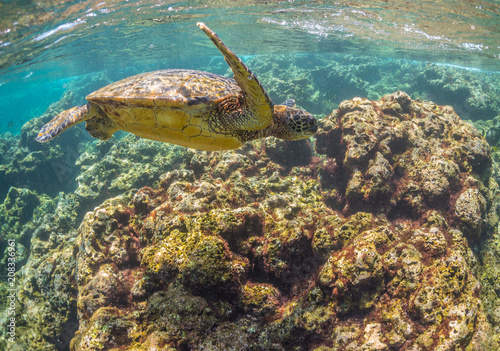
101, 126
61, 122
256, 97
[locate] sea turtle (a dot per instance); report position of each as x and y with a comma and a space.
191, 108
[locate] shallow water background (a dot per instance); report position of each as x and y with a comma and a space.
45, 45
278, 244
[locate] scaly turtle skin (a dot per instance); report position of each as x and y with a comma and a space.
195, 109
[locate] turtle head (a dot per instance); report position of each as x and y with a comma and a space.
294, 123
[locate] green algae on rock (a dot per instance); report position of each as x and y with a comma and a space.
243, 253
111, 168
367, 241
320, 82
46, 317
45, 169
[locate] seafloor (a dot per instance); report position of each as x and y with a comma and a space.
381, 233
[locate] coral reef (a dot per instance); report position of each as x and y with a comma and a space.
47, 168
45, 268
112, 167
50, 167
379, 234
254, 255
320, 82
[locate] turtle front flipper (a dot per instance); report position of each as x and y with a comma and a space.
256, 98
61, 122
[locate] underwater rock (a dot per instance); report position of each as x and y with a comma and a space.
20, 215
289, 153
403, 157
47, 168
241, 251
17, 209
8, 146
320, 82
46, 316
471, 96
470, 210
368, 241
112, 167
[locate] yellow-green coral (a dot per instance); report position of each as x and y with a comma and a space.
256, 254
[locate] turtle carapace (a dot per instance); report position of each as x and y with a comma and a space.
195, 109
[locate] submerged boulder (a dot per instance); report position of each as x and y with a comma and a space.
378, 234
365, 244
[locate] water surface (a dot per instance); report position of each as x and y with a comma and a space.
44, 45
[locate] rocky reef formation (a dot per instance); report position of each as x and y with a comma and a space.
320, 82
113, 167
46, 190
379, 234
45, 168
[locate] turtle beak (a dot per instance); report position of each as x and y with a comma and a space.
302, 123
311, 125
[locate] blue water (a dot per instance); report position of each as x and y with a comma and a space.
47, 45
318, 52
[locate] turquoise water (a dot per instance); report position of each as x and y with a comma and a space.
71, 210
45, 46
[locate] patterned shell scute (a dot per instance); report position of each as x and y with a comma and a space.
170, 106
175, 88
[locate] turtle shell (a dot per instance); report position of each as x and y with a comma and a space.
169, 105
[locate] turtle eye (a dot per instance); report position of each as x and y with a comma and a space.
301, 123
